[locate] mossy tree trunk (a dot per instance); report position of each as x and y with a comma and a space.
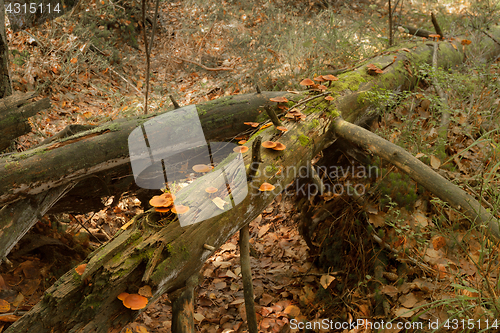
157, 251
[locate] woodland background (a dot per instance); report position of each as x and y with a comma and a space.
401, 254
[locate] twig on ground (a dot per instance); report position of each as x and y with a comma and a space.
124, 79
309, 99
490, 36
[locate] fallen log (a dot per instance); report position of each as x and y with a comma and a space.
157, 251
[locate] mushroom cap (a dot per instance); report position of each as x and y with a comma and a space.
211, 189
330, 77
306, 82
268, 144
279, 146
180, 209
240, 149
168, 195
329, 98
242, 142
282, 128
251, 124
135, 302
319, 79
162, 209
266, 187
322, 87
122, 296
280, 99
164, 200
201, 168
80, 269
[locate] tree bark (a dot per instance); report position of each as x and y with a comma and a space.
157, 251
5, 79
14, 114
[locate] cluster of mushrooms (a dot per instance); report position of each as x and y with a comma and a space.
165, 202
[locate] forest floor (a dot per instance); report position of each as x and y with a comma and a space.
92, 68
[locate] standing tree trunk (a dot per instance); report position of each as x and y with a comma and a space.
5, 80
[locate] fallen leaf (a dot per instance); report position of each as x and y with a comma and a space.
292, 311
438, 242
378, 220
219, 202
326, 280
4, 306
435, 162
198, 317
404, 313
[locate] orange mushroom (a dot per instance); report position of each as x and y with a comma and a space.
252, 124
266, 187
307, 82
180, 209
211, 189
279, 146
240, 149
322, 87
268, 144
330, 78
168, 196
201, 168
242, 142
319, 79
162, 209
122, 296
282, 128
80, 269
329, 98
135, 302
159, 201
279, 99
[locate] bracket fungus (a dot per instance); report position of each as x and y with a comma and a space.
180, 209
80, 269
135, 302
279, 99
282, 128
211, 189
240, 149
201, 168
279, 146
268, 144
162, 203
122, 296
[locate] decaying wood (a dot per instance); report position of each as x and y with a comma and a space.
157, 251
88, 303
98, 161
183, 308
14, 113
